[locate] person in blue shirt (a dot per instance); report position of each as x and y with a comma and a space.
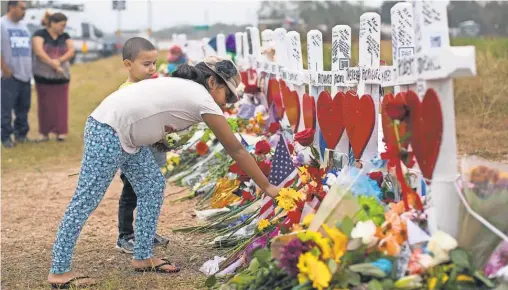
16, 74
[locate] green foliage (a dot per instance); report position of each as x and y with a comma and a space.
346, 226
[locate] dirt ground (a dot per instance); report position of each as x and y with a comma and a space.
32, 206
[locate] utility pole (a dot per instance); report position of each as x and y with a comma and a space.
149, 2
118, 5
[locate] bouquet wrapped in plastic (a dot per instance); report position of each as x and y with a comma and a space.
485, 187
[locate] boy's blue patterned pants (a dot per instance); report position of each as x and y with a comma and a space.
102, 158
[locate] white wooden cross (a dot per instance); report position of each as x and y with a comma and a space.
221, 45
315, 65
370, 81
245, 45
434, 65
266, 38
255, 44
238, 47
295, 63
403, 40
341, 61
403, 45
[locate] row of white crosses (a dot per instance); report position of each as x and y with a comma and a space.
422, 59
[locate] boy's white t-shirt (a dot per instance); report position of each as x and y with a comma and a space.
144, 112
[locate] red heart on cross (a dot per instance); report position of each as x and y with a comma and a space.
274, 95
360, 119
426, 125
292, 107
330, 118
387, 122
309, 111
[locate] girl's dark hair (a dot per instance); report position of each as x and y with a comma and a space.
55, 18
199, 73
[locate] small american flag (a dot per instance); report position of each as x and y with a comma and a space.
283, 173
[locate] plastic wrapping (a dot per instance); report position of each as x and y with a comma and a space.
485, 187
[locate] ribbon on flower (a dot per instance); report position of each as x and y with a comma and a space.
392, 155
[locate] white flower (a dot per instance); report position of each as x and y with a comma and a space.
440, 245
331, 179
502, 274
175, 137
366, 231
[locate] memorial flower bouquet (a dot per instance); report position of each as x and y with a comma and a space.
485, 187
358, 255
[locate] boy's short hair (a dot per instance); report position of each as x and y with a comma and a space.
133, 46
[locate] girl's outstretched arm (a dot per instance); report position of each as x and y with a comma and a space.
235, 149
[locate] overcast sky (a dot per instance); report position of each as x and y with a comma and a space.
174, 12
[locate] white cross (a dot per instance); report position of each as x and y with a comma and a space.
434, 66
221, 45
341, 61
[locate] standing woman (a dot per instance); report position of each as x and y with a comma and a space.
53, 48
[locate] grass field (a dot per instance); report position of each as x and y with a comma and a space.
36, 186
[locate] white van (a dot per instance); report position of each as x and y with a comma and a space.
88, 39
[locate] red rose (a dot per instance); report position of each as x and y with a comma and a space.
265, 166
396, 109
201, 148
263, 147
291, 148
274, 127
235, 169
377, 176
305, 137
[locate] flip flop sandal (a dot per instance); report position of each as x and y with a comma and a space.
71, 283
158, 268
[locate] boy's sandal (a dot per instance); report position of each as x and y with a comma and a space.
72, 283
159, 269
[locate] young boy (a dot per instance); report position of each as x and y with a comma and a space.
139, 57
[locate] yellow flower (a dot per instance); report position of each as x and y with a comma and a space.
311, 268
322, 242
287, 198
304, 175
308, 219
432, 283
263, 224
465, 278
339, 242
172, 157
260, 119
